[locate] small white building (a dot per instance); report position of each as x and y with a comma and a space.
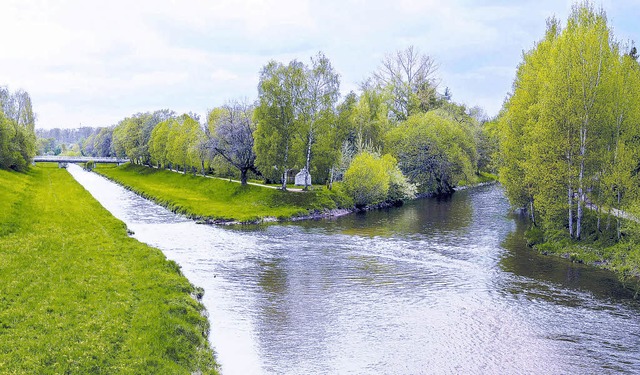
300, 177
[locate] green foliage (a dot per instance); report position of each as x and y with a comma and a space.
158, 143
219, 199
371, 180
131, 136
569, 132
366, 180
433, 151
78, 296
90, 165
17, 123
275, 142
370, 118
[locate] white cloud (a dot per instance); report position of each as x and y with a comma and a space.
223, 75
98, 61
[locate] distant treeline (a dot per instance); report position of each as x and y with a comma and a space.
17, 123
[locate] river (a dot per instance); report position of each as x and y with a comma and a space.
436, 286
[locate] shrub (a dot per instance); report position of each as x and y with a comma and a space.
89, 165
371, 179
366, 180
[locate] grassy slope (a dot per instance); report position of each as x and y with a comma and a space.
218, 199
77, 295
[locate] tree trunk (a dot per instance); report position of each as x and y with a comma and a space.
286, 170
583, 151
202, 164
243, 176
284, 179
618, 229
331, 179
570, 194
533, 215
306, 176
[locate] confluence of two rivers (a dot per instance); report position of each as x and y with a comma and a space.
437, 286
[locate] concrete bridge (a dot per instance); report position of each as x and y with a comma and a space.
76, 159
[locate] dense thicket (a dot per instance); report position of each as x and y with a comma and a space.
17, 124
570, 131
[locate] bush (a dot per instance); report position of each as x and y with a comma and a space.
366, 180
90, 165
371, 180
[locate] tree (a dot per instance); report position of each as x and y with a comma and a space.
159, 143
280, 94
17, 136
568, 129
434, 152
320, 94
335, 147
409, 78
366, 180
370, 118
231, 128
182, 142
132, 135
102, 142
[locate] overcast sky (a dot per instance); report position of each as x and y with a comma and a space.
92, 63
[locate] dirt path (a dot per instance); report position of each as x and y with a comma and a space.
295, 190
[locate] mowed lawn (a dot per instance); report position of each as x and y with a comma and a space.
78, 296
217, 199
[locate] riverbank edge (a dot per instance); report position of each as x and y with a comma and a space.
592, 255
583, 254
328, 213
78, 253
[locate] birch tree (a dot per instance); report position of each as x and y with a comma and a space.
280, 95
320, 94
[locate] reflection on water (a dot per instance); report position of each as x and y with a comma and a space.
437, 286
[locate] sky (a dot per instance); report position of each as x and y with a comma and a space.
93, 63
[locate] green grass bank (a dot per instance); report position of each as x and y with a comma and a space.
219, 200
78, 296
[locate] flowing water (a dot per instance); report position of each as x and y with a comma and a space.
437, 286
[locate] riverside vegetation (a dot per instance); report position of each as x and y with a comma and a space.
219, 200
78, 296
569, 142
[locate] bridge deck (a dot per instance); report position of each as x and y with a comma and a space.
76, 159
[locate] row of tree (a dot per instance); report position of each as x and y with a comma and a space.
399, 122
570, 131
17, 124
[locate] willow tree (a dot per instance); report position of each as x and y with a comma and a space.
433, 151
182, 141
158, 143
